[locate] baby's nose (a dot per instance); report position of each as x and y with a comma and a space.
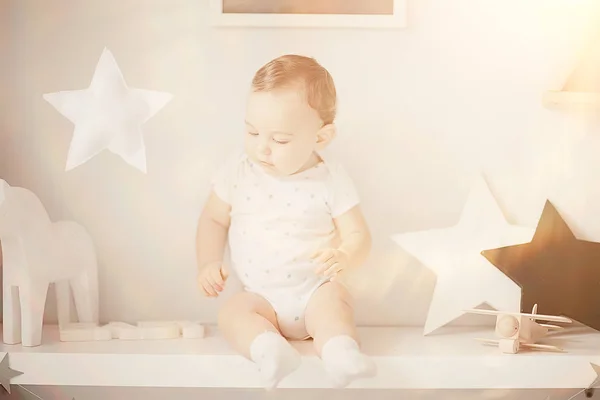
264, 148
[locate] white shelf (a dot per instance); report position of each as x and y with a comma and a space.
406, 359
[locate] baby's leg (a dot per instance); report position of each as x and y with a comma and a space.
249, 324
330, 321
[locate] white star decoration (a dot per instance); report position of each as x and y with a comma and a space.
108, 115
466, 279
596, 383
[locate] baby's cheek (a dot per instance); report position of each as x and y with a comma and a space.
286, 164
292, 160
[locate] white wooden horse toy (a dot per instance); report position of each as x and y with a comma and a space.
37, 252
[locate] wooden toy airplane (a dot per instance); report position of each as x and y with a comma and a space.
517, 330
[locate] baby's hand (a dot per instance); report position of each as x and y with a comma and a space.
211, 278
330, 262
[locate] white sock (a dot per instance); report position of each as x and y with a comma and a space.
344, 362
275, 356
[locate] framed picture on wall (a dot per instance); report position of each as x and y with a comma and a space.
378, 14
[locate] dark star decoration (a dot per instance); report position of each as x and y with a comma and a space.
6, 373
555, 270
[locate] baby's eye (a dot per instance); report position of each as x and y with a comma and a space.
280, 141
253, 133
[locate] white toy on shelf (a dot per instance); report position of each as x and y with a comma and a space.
517, 330
150, 331
84, 332
192, 330
185, 329
37, 252
144, 330
117, 327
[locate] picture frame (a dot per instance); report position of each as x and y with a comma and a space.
379, 14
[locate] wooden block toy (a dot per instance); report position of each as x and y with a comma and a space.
84, 332
151, 331
143, 330
116, 327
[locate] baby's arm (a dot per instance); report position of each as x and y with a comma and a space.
355, 236
211, 236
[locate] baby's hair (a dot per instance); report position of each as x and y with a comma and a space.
289, 70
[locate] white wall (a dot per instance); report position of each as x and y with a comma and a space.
420, 110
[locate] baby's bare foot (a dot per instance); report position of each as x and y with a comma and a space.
344, 362
275, 356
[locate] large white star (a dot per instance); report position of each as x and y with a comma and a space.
466, 279
108, 115
596, 383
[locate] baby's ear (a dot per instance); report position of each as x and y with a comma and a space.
325, 135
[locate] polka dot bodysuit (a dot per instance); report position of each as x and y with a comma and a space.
277, 224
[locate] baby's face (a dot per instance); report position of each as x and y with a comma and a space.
281, 130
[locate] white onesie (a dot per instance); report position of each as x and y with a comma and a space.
277, 224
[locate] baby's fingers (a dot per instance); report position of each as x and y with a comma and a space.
322, 256
209, 291
321, 260
224, 273
214, 280
208, 288
325, 265
333, 270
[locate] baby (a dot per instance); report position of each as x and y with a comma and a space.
293, 222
